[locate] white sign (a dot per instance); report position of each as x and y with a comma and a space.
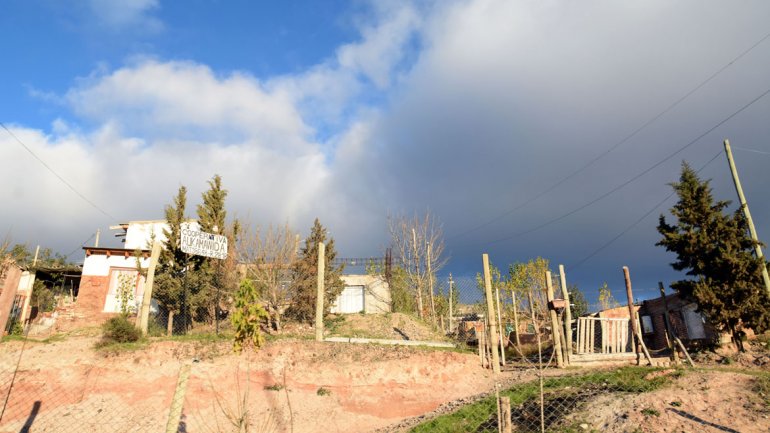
204, 244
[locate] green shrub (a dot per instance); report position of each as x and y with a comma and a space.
119, 330
323, 391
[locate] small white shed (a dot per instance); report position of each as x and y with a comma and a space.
363, 293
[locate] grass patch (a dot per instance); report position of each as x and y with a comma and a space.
648, 411
275, 387
323, 391
762, 388
119, 348
562, 395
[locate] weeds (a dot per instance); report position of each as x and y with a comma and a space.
274, 387
648, 411
323, 391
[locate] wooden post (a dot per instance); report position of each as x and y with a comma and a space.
500, 326
747, 214
96, 241
319, 303
631, 312
175, 413
505, 419
144, 314
450, 303
669, 329
516, 320
567, 312
430, 288
491, 314
555, 326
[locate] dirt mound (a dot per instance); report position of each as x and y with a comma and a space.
391, 326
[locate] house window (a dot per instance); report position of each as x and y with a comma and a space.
647, 325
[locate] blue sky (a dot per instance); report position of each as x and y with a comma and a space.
353, 110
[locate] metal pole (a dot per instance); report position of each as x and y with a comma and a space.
749, 221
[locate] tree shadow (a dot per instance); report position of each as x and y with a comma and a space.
31, 418
702, 421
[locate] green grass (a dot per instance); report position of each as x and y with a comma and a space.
648, 411
561, 395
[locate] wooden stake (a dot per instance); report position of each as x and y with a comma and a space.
505, 421
430, 288
555, 326
669, 329
500, 326
175, 414
567, 312
491, 314
516, 320
631, 312
144, 315
319, 303
450, 303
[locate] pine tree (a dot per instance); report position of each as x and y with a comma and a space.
305, 272
714, 248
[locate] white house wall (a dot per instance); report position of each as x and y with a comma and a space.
99, 264
376, 292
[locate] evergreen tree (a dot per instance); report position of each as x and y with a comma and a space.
578, 300
305, 273
171, 285
714, 248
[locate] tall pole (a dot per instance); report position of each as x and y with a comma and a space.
555, 328
144, 313
492, 325
567, 313
450, 302
745, 208
319, 305
631, 312
96, 241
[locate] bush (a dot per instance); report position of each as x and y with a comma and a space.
119, 330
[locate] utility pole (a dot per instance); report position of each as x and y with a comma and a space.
492, 318
96, 242
745, 208
319, 306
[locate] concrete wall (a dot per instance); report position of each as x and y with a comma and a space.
376, 292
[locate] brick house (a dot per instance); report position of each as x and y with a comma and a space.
687, 323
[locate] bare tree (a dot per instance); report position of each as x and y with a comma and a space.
267, 257
418, 244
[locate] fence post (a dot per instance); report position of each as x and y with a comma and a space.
555, 327
500, 325
491, 314
631, 312
567, 313
175, 413
319, 304
505, 419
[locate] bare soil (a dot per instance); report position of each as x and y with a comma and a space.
709, 401
289, 385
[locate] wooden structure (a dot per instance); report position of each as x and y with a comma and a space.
603, 335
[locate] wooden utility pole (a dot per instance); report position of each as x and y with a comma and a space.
670, 336
319, 303
555, 327
631, 312
491, 314
144, 315
747, 214
567, 313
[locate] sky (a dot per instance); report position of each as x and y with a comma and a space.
529, 128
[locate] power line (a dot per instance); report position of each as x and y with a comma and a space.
64, 181
752, 150
627, 229
616, 145
629, 181
81, 246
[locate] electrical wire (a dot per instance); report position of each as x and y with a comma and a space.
81, 246
614, 146
635, 223
634, 178
751, 150
58, 176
